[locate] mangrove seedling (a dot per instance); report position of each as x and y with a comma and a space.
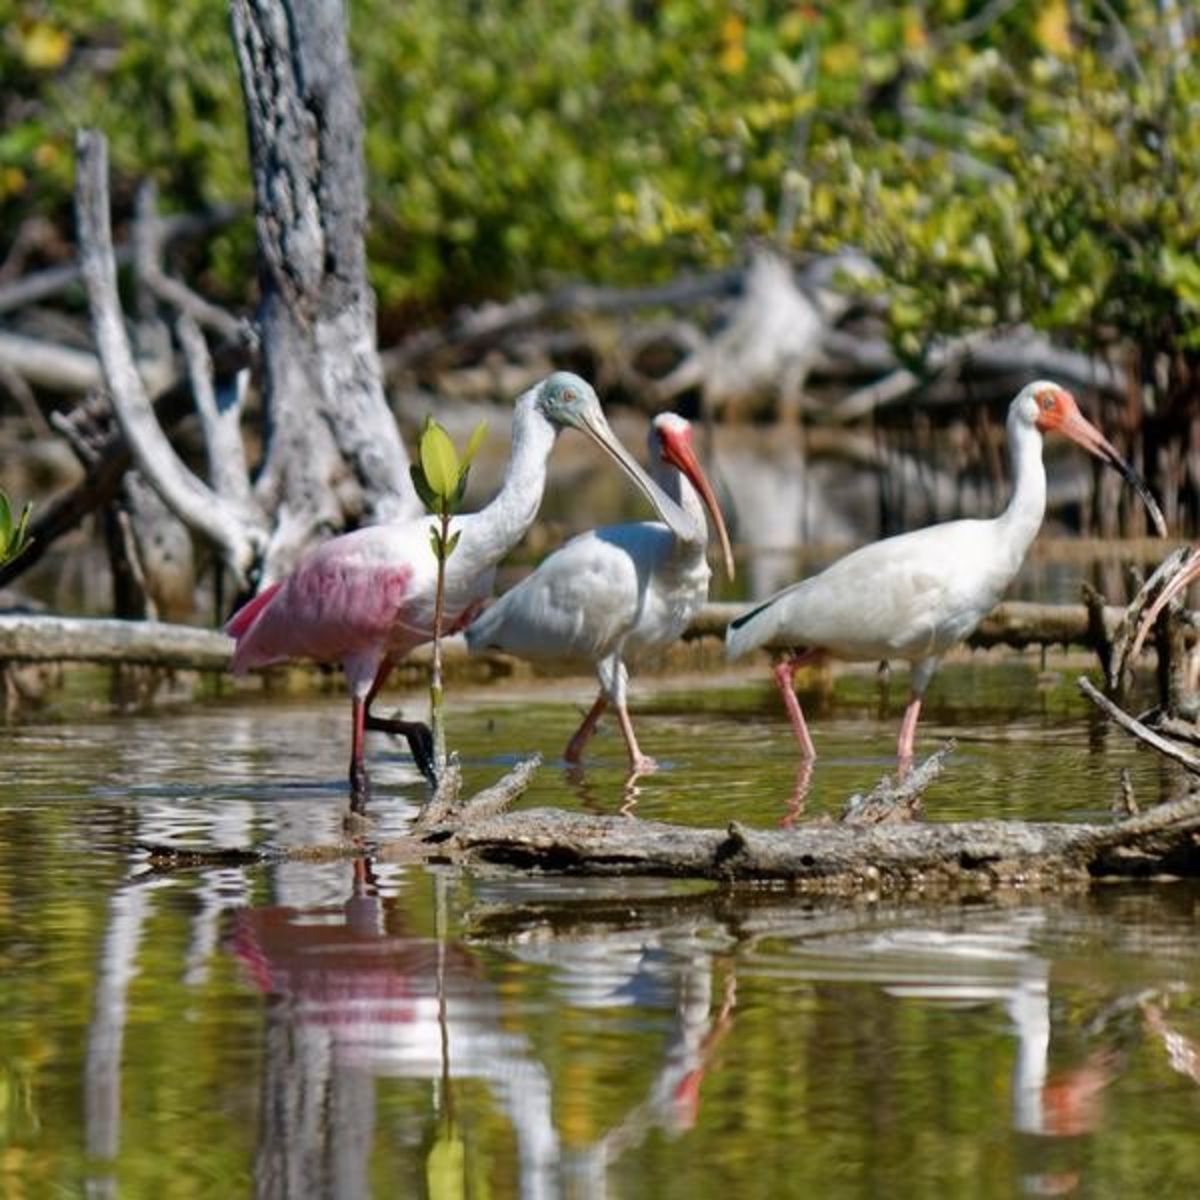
14, 538
440, 478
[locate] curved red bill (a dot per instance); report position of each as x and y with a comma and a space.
1064, 417
677, 450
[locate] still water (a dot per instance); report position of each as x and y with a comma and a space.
363, 1029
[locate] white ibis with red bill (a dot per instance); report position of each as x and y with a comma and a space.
615, 594
915, 596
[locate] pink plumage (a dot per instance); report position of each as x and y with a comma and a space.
339, 603
366, 599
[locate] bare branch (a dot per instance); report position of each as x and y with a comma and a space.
50, 282
188, 497
1133, 726
62, 368
220, 418
110, 460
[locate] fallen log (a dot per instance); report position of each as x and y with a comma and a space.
35, 638
905, 856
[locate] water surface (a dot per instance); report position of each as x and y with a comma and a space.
359, 1029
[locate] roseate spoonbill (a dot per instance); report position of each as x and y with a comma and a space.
916, 595
366, 599
616, 592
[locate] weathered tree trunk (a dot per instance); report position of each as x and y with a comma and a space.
333, 451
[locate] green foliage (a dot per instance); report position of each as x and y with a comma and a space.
14, 538
440, 476
1035, 163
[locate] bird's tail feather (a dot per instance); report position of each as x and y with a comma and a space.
480, 631
751, 629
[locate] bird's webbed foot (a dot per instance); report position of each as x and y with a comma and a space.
419, 738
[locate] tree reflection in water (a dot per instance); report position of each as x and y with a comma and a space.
360, 984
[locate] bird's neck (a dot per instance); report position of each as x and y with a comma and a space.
495, 530
677, 485
1022, 519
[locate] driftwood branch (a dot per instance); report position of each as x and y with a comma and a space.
493, 323
898, 800
220, 417
111, 460
32, 289
1126, 642
1133, 726
446, 812
46, 364
189, 498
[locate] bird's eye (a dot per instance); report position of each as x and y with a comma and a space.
568, 396
1048, 401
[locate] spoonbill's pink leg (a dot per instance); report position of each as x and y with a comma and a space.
358, 768
416, 733
638, 762
784, 673
574, 750
908, 730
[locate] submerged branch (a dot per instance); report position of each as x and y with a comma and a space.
1134, 727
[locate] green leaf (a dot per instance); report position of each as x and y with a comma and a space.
435, 542
473, 444
453, 542
439, 460
446, 1168
460, 491
428, 498
5, 524
22, 538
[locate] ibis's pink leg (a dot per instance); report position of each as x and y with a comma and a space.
416, 733
908, 729
638, 762
582, 735
784, 671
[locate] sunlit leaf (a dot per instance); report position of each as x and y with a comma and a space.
22, 537
446, 1168
439, 460
473, 444
6, 524
423, 490
453, 541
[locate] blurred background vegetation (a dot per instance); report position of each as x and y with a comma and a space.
1001, 162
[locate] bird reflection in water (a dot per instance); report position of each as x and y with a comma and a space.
355, 995
797, 802
592, 799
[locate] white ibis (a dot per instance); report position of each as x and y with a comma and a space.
366, 599
916, 595
615, 593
